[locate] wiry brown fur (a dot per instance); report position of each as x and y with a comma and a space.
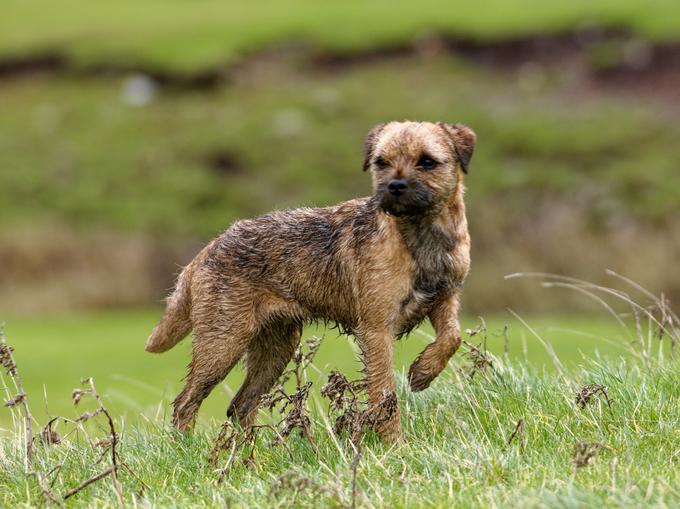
377, 266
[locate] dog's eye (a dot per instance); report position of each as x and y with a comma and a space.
380, 163
427, 163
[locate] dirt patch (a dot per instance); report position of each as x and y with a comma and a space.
604, 57
613, 59
641, 68
225, 163
32, 64
497, 53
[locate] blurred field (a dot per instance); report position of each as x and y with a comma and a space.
133, 132
190, 163
103, 200
54, 353
190, 35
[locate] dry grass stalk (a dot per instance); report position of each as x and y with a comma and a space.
669, 322
354, 468
506, 343
477, 354
233, 440
345, 401
293, 407
49, 436
352, 414
587, 392
302, 358
20, 399
109, 443
295, 483
585, 451
479, 359
518, 433
657, 311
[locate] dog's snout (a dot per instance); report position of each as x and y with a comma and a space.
397, 186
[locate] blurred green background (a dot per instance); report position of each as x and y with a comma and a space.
133, 132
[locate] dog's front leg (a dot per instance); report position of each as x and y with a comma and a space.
432, 360
383, 407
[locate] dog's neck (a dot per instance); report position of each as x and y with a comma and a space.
430, 239
442, 226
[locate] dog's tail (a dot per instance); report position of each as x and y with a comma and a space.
176, 322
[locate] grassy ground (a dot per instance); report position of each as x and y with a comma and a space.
457, 449
193, 35
54, 353
101, 199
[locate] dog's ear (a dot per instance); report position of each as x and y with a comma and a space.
464, 140
369, 144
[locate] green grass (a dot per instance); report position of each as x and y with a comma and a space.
455, 451
190, 35
54, 353
72, 152
297, 140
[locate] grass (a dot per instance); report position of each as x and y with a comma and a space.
189, 36
104, 164
53, 353
457, 450
492, 431
76, 155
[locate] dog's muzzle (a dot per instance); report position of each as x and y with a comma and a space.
401, 198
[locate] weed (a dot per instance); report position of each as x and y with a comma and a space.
49, 436
20, 399
518, 433
585, 451
585, 395
296, 483
293, 408
479, 358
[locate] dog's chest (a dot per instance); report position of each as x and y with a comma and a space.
433, 274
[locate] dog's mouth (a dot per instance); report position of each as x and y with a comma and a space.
395, 208
413, 202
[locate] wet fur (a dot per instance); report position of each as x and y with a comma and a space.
376, 266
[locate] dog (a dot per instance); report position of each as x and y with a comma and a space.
376, 266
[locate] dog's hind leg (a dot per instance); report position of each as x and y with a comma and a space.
266, 359
216, 350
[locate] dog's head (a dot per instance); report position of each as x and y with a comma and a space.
417, 166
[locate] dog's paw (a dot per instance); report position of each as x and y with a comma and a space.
419, 379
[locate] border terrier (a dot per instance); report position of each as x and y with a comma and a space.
376, 266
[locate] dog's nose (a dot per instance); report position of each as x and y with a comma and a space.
397, 186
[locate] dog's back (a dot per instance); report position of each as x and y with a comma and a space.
267, 253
